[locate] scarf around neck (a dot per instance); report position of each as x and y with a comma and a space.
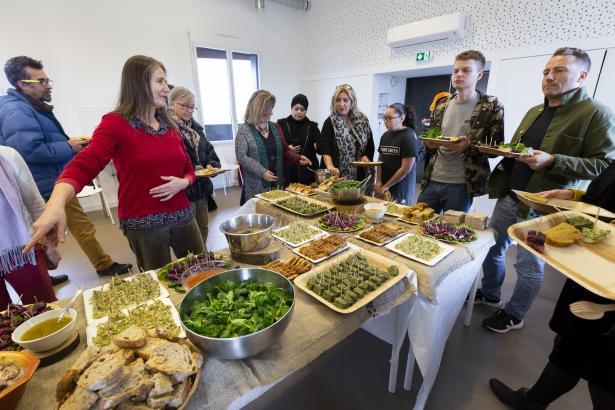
190, 136
352, 142
262, 154
13, 224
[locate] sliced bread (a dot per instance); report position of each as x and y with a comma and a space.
175, 360
80, 399
562, 235
135, 382
130, 338
162, 385
105, 371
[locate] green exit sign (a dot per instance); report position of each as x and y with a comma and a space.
423, 56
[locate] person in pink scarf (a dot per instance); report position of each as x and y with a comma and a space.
20, 204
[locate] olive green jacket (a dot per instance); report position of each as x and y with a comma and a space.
581, 136
486, 125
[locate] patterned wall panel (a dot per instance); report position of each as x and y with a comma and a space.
346, 34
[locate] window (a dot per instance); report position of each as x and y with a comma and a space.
227, 79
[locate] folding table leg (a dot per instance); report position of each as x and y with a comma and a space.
409, 370
467, 317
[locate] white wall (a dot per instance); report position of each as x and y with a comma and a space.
83, 45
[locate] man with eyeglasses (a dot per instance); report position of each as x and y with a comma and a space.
28, 125
457, 173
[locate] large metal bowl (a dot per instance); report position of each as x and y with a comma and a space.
346, 196
247, 233
243, 346
321, 175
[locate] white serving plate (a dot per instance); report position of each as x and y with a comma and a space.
260, 196
317, 234
87, 296
92, 330
373, 259
358, 236
402, 219
444, 250
315, 261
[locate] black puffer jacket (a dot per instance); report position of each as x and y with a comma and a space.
206, 156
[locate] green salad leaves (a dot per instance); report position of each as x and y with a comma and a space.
232, 310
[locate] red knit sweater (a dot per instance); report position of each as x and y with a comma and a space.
140, 158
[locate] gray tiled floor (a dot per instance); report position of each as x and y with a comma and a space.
354, 374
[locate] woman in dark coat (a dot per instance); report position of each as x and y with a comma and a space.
301, 135
583, 349
201, 152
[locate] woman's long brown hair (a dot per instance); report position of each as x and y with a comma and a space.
136, 97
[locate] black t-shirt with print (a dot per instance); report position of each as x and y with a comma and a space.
395, 145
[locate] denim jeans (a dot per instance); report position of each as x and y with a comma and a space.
530, 269
442, 197
404, 189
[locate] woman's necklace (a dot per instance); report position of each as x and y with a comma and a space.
264, 130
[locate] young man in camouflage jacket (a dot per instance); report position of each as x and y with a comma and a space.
457, 173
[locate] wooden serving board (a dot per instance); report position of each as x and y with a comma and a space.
591, 265
209, 173
552, 205
374, 260
366, 164
485, 149
441, 141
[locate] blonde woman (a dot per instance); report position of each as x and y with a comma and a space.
261, 151
202, 153
346, 136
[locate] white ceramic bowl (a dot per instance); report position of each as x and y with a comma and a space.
48, 342
374, 211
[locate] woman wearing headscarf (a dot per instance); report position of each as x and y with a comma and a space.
202, 154
20, 204
260, 149
345, 136
301, 135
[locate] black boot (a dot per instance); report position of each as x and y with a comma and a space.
115, 269
517, 400
57, 279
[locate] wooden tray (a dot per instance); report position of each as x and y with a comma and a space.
485, 149
209, 173
552, 204
308, 199
288, 195
445, 250
366, 164
591, 265
442, 141
374, 260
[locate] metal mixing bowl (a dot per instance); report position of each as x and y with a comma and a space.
247, 233
243, 346
346, 196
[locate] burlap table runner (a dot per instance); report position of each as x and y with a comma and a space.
313, 329
428, 277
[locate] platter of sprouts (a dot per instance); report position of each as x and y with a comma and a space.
427, 251
121, 293
297, 233
303, 206
348, 282
274, 195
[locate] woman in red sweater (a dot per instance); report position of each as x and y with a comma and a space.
153, 169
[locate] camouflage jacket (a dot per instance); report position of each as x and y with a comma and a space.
486, 124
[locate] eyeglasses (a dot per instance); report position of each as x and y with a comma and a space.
187, 107
42, 81
387, 118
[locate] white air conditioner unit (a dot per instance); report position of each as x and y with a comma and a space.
448, 27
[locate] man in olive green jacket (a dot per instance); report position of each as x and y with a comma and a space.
573, 141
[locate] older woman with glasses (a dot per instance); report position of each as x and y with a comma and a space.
346, 135
260, 148
202, 153
153, 169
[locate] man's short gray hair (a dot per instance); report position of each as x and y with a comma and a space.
580, 55
180, 94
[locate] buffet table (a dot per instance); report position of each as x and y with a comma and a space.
314, 329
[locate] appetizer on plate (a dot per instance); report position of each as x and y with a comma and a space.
536, 240
324, 186
297, 233
301, 206
322, 247
14, 316
171, 274
290, 267
341, 222
121, 293
447, 232
382, 233
301, 188
273, 195
418, 213
563, 234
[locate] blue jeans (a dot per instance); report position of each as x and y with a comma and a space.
404, 189
530, 269
442, 197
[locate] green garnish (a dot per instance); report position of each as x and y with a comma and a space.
434, 133
122, 293
232, 310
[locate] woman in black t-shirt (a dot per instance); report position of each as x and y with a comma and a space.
398, 151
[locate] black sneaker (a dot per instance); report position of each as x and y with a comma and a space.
502, 322
57, 279
115, 269
515, 399
481, 299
